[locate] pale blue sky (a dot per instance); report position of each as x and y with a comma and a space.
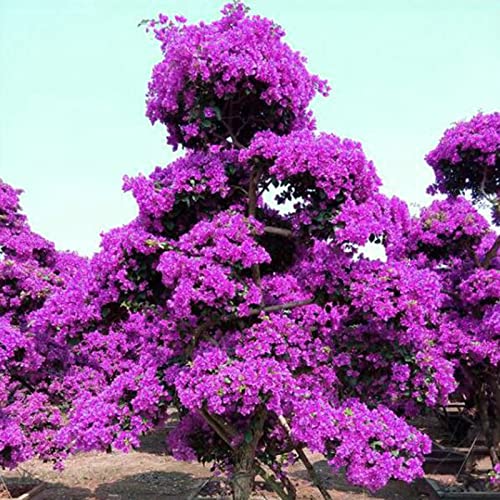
73, 75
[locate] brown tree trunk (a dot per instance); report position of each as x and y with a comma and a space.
244, 474
244, 458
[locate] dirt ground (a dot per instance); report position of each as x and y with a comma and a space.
148, 474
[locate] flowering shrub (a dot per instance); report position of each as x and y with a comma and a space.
265, 328
31, 271
461, 249
467, 159
454, 241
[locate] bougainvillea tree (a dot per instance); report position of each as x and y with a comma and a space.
458, 243
240, 295
466, 161
30, 272
266, 328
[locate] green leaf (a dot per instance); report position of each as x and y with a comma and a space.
248, 437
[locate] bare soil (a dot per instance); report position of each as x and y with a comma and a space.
149, 474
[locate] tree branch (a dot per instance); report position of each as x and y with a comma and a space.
200, 330
22, 381
234, 139
264, 187
287, 233
218, 429
252, 210
315, 479
489, 198
280, 307
275, 486
484, 418
239, 188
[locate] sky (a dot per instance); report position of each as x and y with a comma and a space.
73, 76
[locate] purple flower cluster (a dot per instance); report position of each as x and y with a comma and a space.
374, 445
494, 476
31, 271
401, 306
201, 267
319, 174
467, 158
455, 243
233, 386
210, 70
206, 181
450, 219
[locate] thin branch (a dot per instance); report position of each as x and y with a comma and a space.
32, 493
469, 452
289, 486
315, 479
489, 198
280, 307
265, 187
6, 489
216, 427
287, 233
275, 486
200, 330
239, 188
473, 255
252, 210
234, 139
494, 382
195, 493
22, 381
211, 340
243, 125
223, 139
228, 428
484, 418
252, 191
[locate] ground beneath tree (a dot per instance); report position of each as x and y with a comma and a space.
148, 474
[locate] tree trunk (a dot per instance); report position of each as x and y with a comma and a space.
244, 458
244, 473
